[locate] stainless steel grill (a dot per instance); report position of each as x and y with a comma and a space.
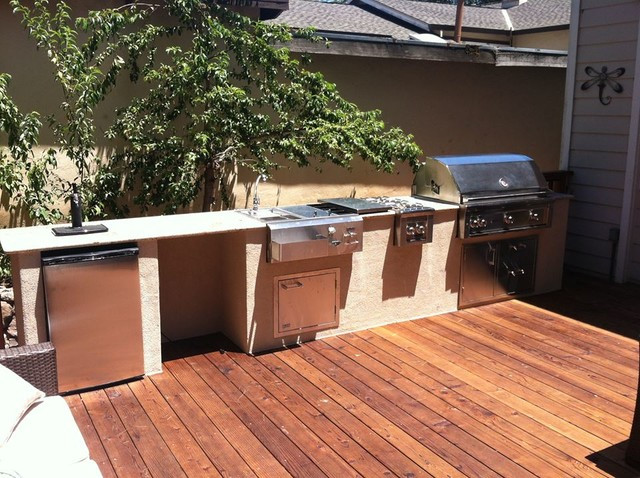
497, 193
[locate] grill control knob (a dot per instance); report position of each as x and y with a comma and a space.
507, 218
477, 222
411, 231
534, 216
420, 230
331, 230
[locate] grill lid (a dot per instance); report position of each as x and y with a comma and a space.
463, 178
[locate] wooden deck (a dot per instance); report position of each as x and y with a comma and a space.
515, 389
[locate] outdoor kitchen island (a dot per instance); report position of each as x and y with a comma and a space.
208, 272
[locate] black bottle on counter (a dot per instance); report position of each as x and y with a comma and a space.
76, 208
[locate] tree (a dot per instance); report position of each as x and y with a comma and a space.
232, 94
86, 72
224, 93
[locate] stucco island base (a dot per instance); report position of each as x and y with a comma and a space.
215, 277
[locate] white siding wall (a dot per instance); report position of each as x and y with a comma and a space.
607, 36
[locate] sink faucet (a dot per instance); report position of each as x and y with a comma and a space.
256, 198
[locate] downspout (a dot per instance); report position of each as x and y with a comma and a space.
507, 20
569, 87
457, 36
630, 177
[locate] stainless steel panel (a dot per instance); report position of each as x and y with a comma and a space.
311, 238
413, 228
513, 215
516, 273
306, 302
495, 269
95, 321
478, 277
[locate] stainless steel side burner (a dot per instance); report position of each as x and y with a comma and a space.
413, 223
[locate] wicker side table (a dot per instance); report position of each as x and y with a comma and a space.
35, 363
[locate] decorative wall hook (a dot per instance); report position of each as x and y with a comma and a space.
602, 79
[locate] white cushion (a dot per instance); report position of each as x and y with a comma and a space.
84, 469
16, 396
47, 438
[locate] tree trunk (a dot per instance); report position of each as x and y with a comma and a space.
209, 193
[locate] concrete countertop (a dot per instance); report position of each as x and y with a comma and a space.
41, 238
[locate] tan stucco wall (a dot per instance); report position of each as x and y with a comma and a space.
224, 283
451, 108
554, 40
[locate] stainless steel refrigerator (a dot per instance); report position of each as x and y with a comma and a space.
92, 297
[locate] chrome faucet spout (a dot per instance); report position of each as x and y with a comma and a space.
256, 198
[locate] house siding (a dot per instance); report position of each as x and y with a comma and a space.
607, 36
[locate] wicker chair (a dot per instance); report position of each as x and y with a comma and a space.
34, 363
633, 447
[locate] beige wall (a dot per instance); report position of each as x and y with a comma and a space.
451, 108
555, 40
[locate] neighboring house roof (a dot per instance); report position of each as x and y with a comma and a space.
445, 14
343, 18
389, 28
531, 15
536, 14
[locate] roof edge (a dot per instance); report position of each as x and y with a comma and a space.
380, 47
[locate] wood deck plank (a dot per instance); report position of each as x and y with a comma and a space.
235, 432
540, 440
221, 453
573, 437
525, 322
483, 377
427, 414
461, 459
153, 450
394, 434
501, 339
294, 460
517, 458
122, 453
176, 435
541, 384
340, 442
319, 452
358, 431
91, 437
505, 389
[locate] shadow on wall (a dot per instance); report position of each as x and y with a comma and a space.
16, 216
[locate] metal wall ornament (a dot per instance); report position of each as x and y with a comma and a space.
602, 78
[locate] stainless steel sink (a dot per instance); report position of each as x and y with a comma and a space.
269, 215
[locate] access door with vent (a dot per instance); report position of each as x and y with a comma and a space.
306, 302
